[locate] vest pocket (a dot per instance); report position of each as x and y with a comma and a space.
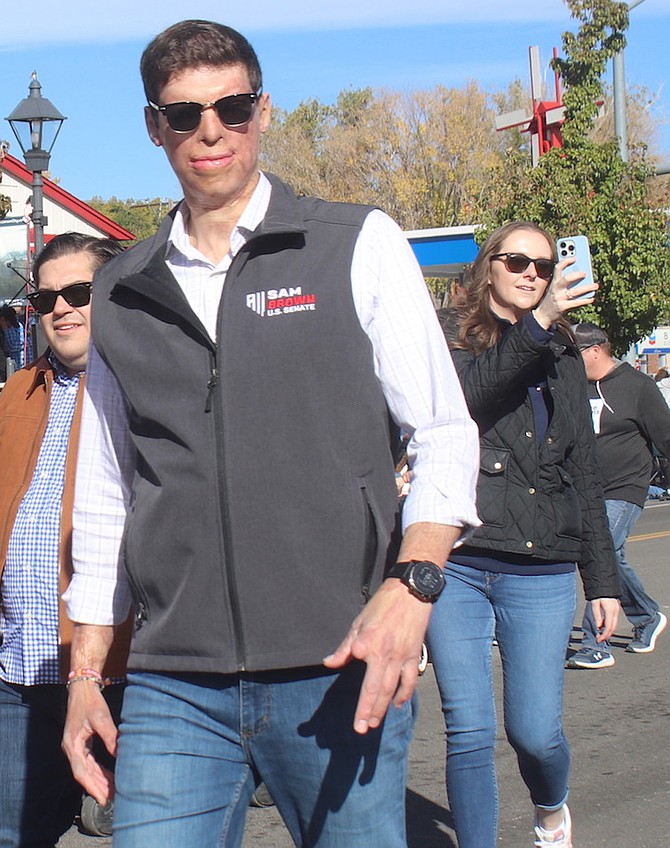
370, 545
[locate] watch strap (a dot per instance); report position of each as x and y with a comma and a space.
400, 569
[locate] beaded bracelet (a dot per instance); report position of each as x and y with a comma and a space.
79, 674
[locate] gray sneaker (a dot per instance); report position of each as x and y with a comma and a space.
590, 657
261, 797
645, 636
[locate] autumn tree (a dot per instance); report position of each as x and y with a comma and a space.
424, 157
585, 187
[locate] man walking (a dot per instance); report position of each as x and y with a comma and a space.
629, 417
40, 409
236, 435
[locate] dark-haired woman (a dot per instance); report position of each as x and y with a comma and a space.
540, 501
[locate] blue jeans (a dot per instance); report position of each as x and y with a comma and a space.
193, 747
39, 798
531, 617
639, 608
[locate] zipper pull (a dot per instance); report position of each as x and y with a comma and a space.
211, 385
140, 615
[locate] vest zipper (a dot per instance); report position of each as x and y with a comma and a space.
211, 385
215, 387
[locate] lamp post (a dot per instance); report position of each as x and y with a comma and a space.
28, 121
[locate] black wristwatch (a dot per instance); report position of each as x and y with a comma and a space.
424, 579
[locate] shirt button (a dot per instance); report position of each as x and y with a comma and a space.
529, 544
529, 434
550, 441
497, 465
531, 491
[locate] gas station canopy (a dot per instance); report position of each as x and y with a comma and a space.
444, 251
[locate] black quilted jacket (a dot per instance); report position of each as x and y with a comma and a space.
543, 499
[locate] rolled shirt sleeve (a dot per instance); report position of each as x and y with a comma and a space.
99, 591
417, 375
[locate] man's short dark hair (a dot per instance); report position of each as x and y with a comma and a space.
195, 44
100, 250
588, 334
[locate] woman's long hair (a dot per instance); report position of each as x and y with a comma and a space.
478, 328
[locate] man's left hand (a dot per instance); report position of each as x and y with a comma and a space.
606, 615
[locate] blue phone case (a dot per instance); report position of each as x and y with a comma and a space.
578, 248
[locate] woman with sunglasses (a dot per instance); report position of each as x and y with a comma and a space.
540, 501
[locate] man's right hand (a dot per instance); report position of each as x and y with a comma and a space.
88, 716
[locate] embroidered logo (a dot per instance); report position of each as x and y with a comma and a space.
281, 301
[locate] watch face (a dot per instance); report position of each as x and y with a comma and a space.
427, 579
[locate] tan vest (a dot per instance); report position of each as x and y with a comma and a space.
24, 413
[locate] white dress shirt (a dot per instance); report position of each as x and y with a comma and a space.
411, 360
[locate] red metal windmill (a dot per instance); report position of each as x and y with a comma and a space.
544, 125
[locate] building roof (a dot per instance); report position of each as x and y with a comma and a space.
68, 201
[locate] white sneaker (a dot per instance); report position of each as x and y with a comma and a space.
423, 661
559, 838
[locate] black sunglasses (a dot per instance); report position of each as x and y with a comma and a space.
233, 111
78, 294
517, 263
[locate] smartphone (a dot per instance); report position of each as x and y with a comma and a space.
577, 248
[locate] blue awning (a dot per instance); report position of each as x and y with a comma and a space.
443, 252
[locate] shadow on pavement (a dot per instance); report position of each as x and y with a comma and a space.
426, 823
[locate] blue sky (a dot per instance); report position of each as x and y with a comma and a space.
86, 55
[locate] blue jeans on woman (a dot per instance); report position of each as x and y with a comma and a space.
531, 618
192, 748
639, 607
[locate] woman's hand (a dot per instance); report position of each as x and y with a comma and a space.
565, 292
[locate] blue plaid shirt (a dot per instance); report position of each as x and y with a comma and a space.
13, 344
29, 653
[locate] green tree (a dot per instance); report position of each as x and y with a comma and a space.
643, 136
140, 217
585, 187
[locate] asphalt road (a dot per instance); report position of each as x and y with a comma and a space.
617, 721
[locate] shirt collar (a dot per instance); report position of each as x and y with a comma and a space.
61, 374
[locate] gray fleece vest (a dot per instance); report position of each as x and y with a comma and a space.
263, 505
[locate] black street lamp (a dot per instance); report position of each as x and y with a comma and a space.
32, 117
